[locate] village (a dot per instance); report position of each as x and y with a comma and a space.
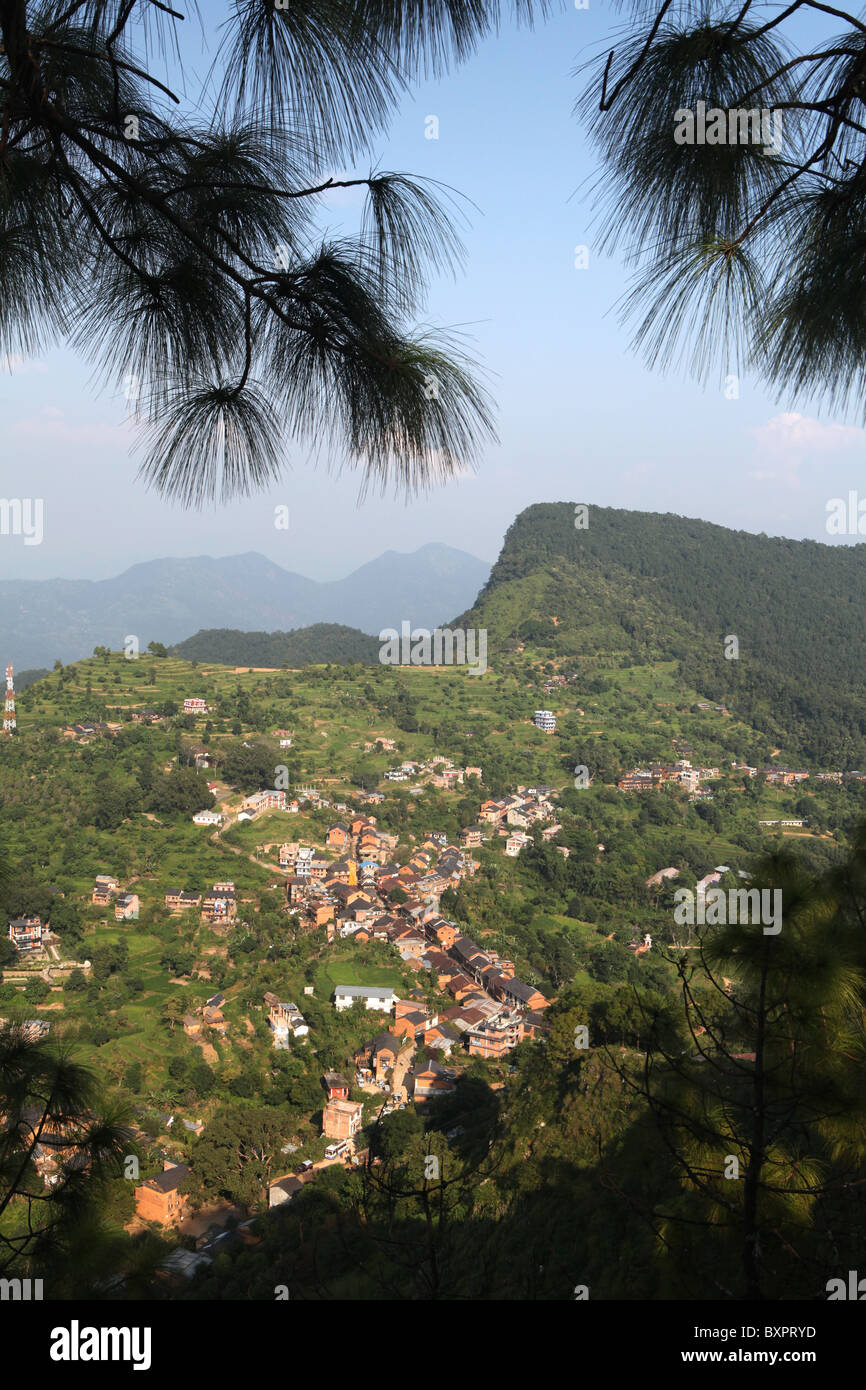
348, 888
354, 883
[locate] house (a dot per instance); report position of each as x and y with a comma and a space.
411, 1025
84, 731
268, 800
466, 951
496, 1036
158, 1198
338, 837
342, 871
180, 902
433, 1081
443, 932
535, 1024
215, 1019
336, 1085
523, 996
26, 933
192, 1026
283, 1019
207, 818
373, 996
463, 1016
346, 894
470, 838
441, 967
220, 904
404, 1007
283, 1190
637, 781
195, 705
460, 987
105, 886
442, 1036
341, 1119
488, 975
304, 862
516, 842
384, 1054
378, 1057
297, 888
320, 913
410, 945
127, 907
543, 719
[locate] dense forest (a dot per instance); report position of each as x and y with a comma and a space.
302, 646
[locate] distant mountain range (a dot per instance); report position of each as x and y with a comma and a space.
169, 600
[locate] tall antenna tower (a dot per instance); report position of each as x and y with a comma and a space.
9, 708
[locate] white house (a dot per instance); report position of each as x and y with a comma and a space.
269, 800
304, 862
373, 996
207, 818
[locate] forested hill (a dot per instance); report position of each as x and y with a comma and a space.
303, 646
645, 586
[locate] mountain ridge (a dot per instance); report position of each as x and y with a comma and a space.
645, 587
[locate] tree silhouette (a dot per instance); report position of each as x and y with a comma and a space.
748, 244
51, 1110
759, 1106
181, 254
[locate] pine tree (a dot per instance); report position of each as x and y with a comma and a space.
734, 175
759, 1108
179, 251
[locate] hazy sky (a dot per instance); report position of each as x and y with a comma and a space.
580, 418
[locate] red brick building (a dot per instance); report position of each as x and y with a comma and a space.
341, 1119
158, 1198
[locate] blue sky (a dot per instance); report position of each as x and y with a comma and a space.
579, 417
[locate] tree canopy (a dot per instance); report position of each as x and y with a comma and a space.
174, 241
734, 175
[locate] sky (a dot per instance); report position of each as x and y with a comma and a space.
579, 417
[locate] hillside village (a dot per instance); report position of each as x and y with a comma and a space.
349, 889
403, 997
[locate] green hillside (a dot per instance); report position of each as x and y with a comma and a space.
638, 588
